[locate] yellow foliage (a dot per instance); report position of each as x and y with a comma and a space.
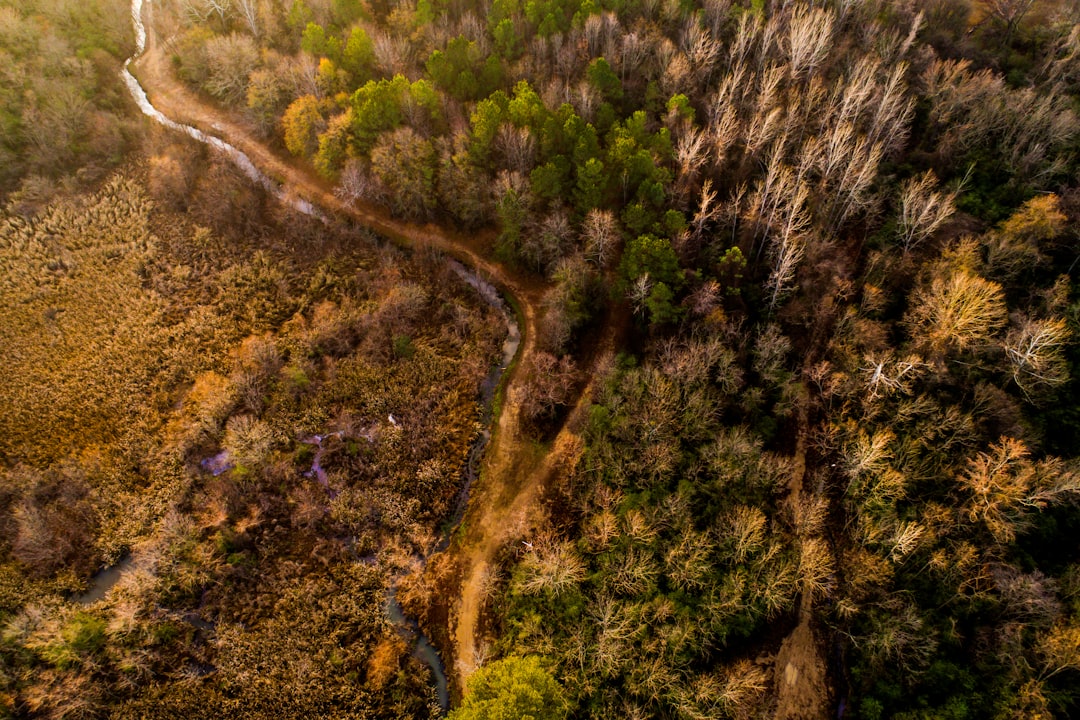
956, 311
1038, 219
385, 660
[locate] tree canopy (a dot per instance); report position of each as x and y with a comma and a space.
513, 688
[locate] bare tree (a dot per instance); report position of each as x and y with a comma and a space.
1028, 597
568, 58
394, 55
898, 634
770, 353
701, 50
1016, 246
726, 129
887, 375
922, 209
231, 60
854, 93
689, 563
1004, 485
518, 147
1035, 350
831, 150
892, 111
1010, 12
639, 528
551, 386
602, 33
776, 581
816, 567
601, 530
600, 236
198, 12
864, 454
638, 293
852, 191
746, 37
1060, 650
708, 211
733, 692
974, 109
714, 15
809, 39
916, 25
551, 567
634, 573
632, 53
1064, 65
997, 482
691, 155
585, 99
358, 184
767, 120
249, 13
746, 531
788, 245
706, 298
846, 7
905, 540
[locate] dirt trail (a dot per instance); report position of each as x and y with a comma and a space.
799, 679
506, 508
182, 105
514, 471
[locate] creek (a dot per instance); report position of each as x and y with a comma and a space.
422, 647
237, 156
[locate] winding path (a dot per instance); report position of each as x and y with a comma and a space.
514, 470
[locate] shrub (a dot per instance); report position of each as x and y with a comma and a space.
513, 688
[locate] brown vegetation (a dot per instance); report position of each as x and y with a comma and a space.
151, 353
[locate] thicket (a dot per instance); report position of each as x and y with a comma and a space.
62, 106
668, 548
165, 390
931, 532
950, 596
511, 688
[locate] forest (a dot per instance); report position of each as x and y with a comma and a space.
791, 431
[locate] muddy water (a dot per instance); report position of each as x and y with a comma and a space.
317, 471
488, 388
422, 648
104, 580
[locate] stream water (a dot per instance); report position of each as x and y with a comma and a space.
237, 156
317, 471
422, 648
104, 580
491, 296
